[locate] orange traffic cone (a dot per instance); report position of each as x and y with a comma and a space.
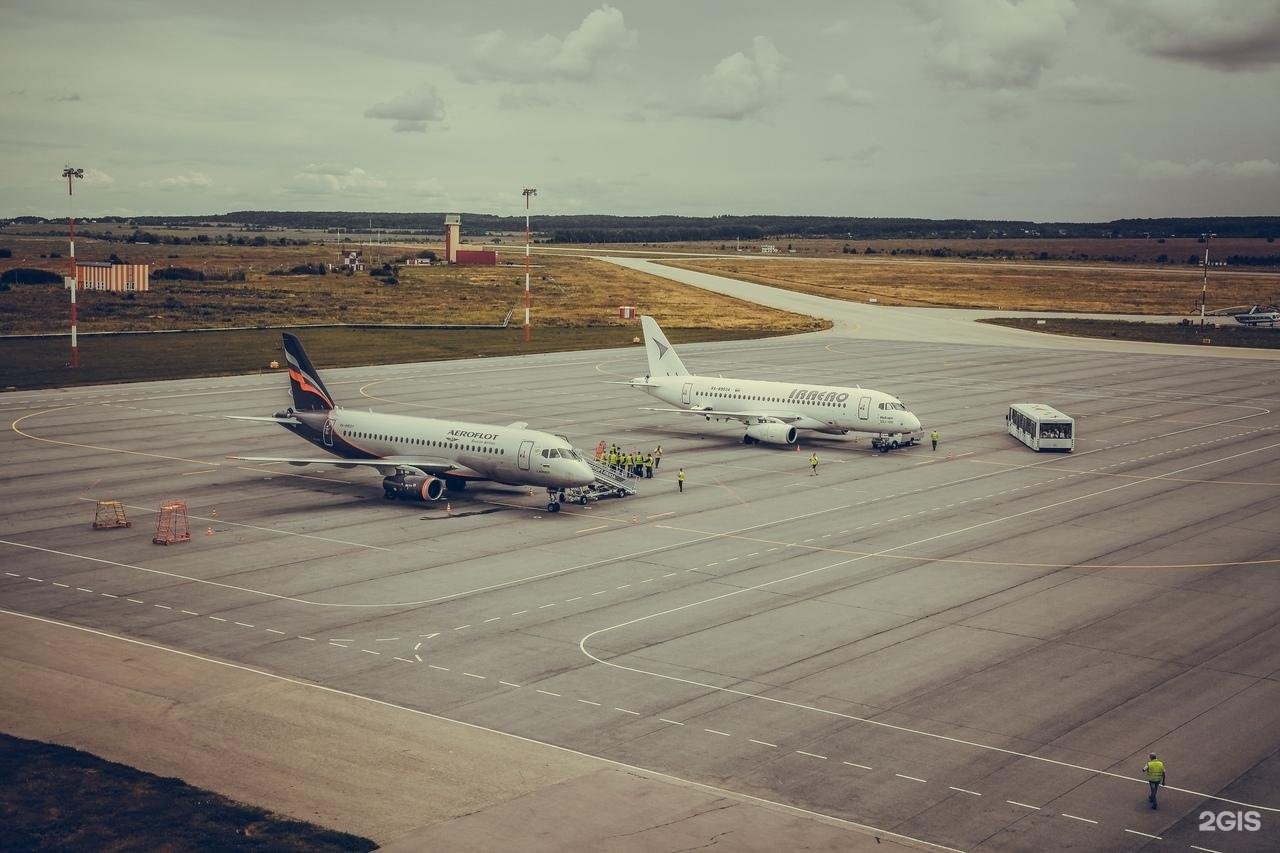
448, 507
208, 531
635, 519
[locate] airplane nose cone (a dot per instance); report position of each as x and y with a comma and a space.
913, 423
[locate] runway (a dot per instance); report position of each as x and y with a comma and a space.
973, 648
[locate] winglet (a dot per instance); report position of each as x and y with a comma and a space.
663, 360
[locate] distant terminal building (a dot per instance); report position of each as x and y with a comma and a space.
464, 257
118, 278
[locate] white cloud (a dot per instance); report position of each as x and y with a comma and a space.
1252, 169
1086, 89
995, 44
581, 55
97, 177
410, 111
322, 178
1229, 35
838, 90
189, 181
1163, 170
741, 85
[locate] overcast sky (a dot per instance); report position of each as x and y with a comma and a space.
1039, 109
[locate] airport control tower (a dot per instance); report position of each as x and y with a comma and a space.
452, 230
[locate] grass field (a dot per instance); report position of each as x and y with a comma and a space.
42, 362
1107, 289
567, 291
1229, 334
56, 798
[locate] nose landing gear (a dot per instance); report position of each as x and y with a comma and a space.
554, 497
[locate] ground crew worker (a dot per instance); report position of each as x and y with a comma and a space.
648, 467
1155, 778
657, 456
933, 436
680, 479
813, 464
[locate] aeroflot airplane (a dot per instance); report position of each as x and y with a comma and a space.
419, 458
771, 411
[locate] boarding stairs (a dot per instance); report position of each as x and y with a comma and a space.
610, 482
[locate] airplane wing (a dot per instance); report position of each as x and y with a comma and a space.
270, 420
386, 466
747, 417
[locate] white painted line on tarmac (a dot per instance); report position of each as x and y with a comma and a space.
1077, 817
714, 732
473, 675
589, 702
763, 743
672, 722
441, 668
547, 692
964, 791
912, 778
626, 711
507, 683
1145, 834
810, 754
854, 764
1024, 805
1205, 849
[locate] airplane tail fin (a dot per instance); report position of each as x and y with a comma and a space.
309, 393
663, 360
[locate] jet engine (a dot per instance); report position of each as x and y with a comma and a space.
770, 432
411, 487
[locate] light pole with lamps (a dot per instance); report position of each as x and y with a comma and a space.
71, 173
529, 192
1204, 287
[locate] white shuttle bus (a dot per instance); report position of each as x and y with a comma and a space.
1041, 427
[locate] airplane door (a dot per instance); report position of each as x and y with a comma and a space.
522, 459
686, 393
864, 408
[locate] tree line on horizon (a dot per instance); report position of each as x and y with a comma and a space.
599, 228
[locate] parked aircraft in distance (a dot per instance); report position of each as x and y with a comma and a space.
1259, 315
772, 412
420, 458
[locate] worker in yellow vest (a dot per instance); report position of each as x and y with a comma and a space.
813, 464
1155, 778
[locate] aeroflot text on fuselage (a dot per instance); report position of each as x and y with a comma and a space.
482, 436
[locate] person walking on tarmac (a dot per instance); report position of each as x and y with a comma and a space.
680, 479
933, 436
1154, 769
657, 456
813, 464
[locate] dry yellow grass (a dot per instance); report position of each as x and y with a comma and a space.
1003, 286
567, 291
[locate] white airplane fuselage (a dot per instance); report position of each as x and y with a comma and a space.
504, 454
823, 408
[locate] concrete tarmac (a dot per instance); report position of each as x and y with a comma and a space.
973, 648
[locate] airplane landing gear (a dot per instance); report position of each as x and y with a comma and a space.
554, 496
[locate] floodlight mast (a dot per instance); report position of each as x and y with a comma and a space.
71, 173
1204, 287
529, 192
